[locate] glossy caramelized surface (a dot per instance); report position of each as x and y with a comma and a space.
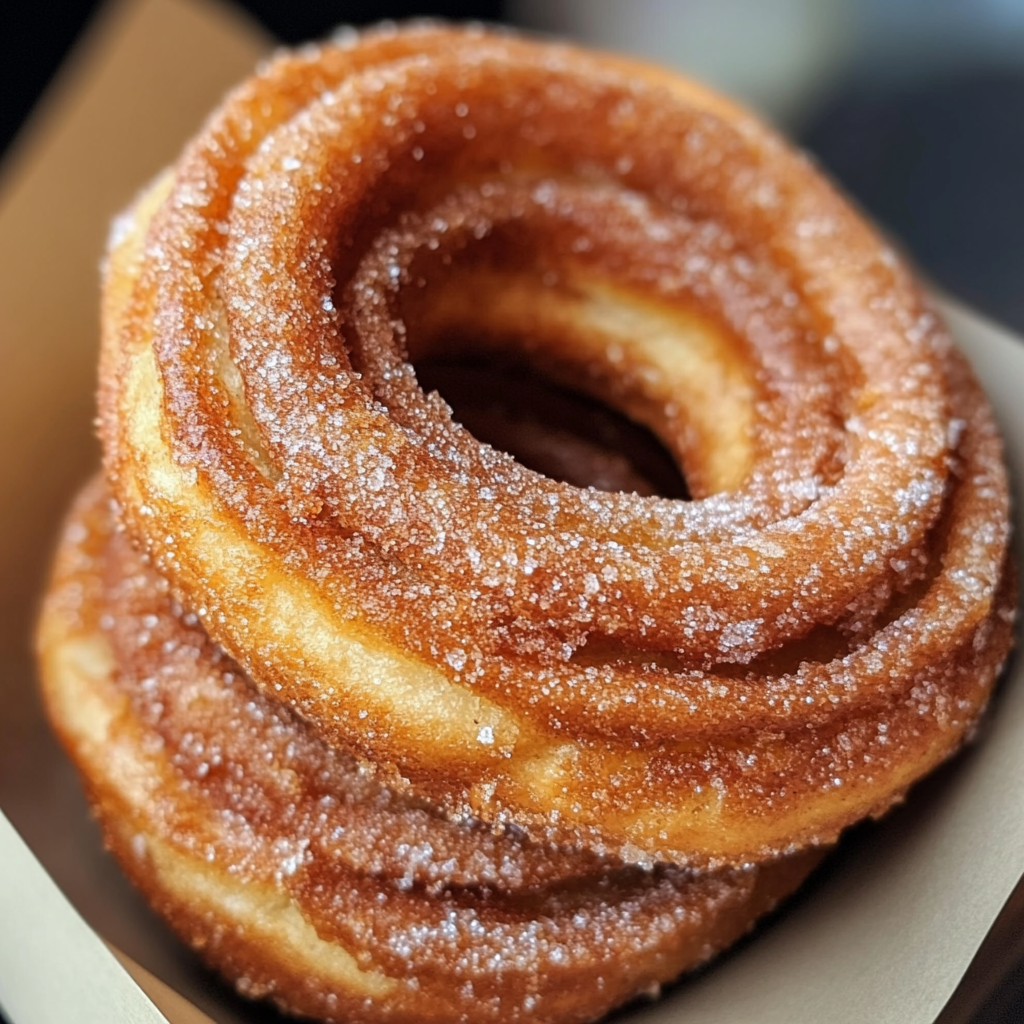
707, 682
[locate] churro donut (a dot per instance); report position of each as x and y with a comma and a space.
706, 682
302, 878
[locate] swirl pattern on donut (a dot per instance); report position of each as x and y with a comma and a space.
705, 682
307, 881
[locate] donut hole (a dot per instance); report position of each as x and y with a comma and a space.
553, 430
590, 294
661, 371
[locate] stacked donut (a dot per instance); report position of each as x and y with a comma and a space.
394, 728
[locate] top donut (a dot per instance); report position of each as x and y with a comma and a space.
708, 682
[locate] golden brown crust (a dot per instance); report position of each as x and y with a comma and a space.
306, 881
391, 727
707, 682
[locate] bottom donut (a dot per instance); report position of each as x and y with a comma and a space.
301, 877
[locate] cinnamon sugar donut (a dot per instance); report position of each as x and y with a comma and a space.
706, 682
389, 725
307, 881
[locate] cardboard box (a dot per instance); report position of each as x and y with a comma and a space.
883, 934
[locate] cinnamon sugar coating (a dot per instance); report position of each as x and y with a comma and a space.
706, 682
306, 880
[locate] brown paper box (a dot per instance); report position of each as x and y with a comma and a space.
889, 927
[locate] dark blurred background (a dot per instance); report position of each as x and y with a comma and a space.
915, 106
